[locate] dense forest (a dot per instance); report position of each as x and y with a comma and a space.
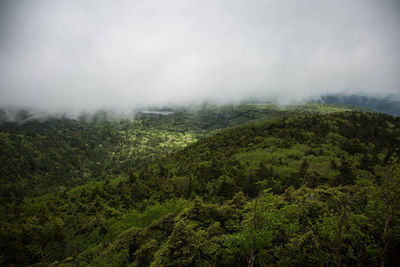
248, 185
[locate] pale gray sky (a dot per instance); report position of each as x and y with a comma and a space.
90, 54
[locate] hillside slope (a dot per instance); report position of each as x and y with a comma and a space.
291, 191
42, 155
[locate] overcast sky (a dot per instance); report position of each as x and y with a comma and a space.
84, 55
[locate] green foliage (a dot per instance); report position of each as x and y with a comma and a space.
290, 189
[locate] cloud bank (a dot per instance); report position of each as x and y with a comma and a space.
86, 55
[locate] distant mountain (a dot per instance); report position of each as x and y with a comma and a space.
389, 104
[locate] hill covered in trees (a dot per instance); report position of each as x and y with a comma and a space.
311, 185
45, 154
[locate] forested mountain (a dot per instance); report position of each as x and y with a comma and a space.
303, 186
389, 104
46, 154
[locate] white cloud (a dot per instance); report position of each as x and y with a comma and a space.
84, 55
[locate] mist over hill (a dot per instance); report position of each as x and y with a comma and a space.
388, 104
199, 133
